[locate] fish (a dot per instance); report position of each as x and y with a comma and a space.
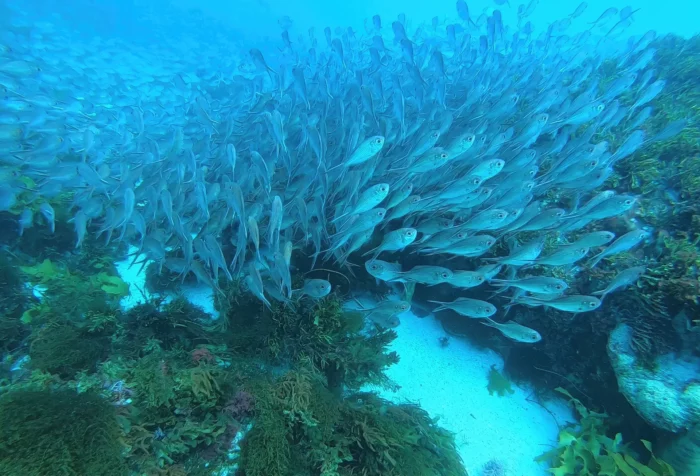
430, 275
573, 303
383, 270
466, 279
624, 243
386, 313
368, 200
457, 139
473, 308
593, 239
515, 331
564, 256
394, 241
622, 279
365, 151
534, 284
315, 288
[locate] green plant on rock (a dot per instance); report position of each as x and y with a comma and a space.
319, 332
302, 428
330, 338
72, 293
60, 433
585, 450
63, 349
177, 324
152, 379
498, 383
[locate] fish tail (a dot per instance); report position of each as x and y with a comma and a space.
441, 307
595, 260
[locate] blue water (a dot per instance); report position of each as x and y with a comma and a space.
188, 141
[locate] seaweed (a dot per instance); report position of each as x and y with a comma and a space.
64, 350
316, 331
498, 383
303, 428
584, 449
59, 433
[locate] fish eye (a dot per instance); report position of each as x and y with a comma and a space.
445, 275
628, 202
374, 266
600, 107
444, 156
435, 135
476, 181
460, 235
501, 215
470, 139
592, 304
489, 242
378, 141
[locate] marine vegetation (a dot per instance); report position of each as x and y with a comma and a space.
59, 432
506, 172
303, 428
319, 332
498, 383
584, 449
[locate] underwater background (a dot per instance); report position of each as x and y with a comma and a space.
269, 238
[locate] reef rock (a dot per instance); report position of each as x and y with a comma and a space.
667, 396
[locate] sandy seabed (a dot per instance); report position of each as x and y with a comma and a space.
450, 384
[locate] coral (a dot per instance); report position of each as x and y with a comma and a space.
58, 433
584, 449
498, 383
667, 396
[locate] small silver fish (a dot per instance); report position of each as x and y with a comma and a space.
315, 288
621, 280
515, 331
474, 308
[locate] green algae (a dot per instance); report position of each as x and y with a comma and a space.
584, 449
498, 383
60, 433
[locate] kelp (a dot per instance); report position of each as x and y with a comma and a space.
584, 449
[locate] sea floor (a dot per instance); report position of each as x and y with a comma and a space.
450, 384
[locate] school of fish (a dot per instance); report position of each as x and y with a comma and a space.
445, 139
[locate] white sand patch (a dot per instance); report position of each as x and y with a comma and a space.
201, 296
135, 276
450, 383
